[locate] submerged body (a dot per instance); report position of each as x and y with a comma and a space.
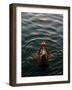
43, 54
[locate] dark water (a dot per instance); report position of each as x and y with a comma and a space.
35, 28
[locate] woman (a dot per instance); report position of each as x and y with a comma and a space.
43, 54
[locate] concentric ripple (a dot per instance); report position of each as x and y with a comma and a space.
35, 28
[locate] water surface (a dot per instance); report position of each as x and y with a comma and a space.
35, 28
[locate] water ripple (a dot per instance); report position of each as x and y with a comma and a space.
35, 28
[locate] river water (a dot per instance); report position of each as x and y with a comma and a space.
36, 27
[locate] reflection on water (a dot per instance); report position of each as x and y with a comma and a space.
35, 28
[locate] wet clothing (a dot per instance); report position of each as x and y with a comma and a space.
43, 59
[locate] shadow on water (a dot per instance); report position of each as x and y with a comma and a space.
35, 28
